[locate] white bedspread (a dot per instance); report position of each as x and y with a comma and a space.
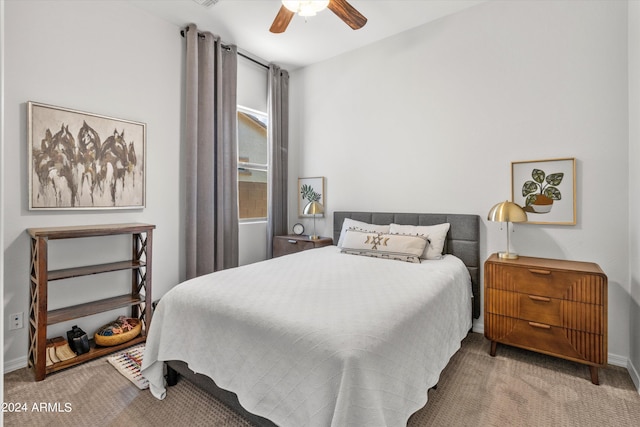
317, 338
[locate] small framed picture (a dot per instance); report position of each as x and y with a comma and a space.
310, 190
546, 190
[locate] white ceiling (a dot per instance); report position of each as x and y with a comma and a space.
246, 23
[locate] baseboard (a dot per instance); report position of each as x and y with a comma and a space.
615, 360
624, 362
634, 375
478, 326
15, 364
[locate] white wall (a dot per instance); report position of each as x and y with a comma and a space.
634, 186
430, 120
106, 58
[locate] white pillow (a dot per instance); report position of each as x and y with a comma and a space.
400, 247
360, 225
437, 234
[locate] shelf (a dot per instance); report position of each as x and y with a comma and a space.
72, 232
86, 270
93, 353
95, 307
137, 301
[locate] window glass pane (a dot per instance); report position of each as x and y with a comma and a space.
252, 137
252, 193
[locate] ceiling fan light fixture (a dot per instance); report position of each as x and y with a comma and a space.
305, 7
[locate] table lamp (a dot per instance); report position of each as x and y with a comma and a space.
507, 212
314, 208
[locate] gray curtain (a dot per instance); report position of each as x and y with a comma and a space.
278, 110
210, 154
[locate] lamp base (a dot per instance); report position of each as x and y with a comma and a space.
507, 255
314, 237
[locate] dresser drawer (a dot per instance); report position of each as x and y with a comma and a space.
557, 341
524, 306
550, 311
568, 285
289, 246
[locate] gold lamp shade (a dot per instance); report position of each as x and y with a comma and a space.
314, 208
507, 212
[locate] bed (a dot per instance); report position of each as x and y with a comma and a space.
322, 338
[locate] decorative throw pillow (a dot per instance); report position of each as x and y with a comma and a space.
390, 246
436, 234
360, 225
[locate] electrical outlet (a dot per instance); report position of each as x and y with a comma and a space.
15, 321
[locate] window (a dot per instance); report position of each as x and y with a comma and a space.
253, 157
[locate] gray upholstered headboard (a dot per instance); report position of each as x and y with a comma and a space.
463, 239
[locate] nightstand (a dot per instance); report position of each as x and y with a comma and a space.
291, 243
549, 306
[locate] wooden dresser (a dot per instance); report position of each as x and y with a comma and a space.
550, 306
284, 245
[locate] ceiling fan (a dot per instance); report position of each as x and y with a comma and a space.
342, 8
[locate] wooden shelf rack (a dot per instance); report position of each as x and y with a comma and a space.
39, 315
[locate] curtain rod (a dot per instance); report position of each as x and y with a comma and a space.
182, 33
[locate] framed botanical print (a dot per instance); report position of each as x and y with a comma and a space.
546, 190
310, 190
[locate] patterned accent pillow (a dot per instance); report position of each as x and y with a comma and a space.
390, 246
435, 234
349, 223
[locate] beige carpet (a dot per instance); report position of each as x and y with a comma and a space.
516, 388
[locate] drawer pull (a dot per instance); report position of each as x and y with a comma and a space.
537, 298
292, 241
536, 271
539, 325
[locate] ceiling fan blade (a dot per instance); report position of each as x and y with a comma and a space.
347, 13
282, 20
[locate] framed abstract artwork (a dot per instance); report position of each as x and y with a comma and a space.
310, 190
80, 160
546, 190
